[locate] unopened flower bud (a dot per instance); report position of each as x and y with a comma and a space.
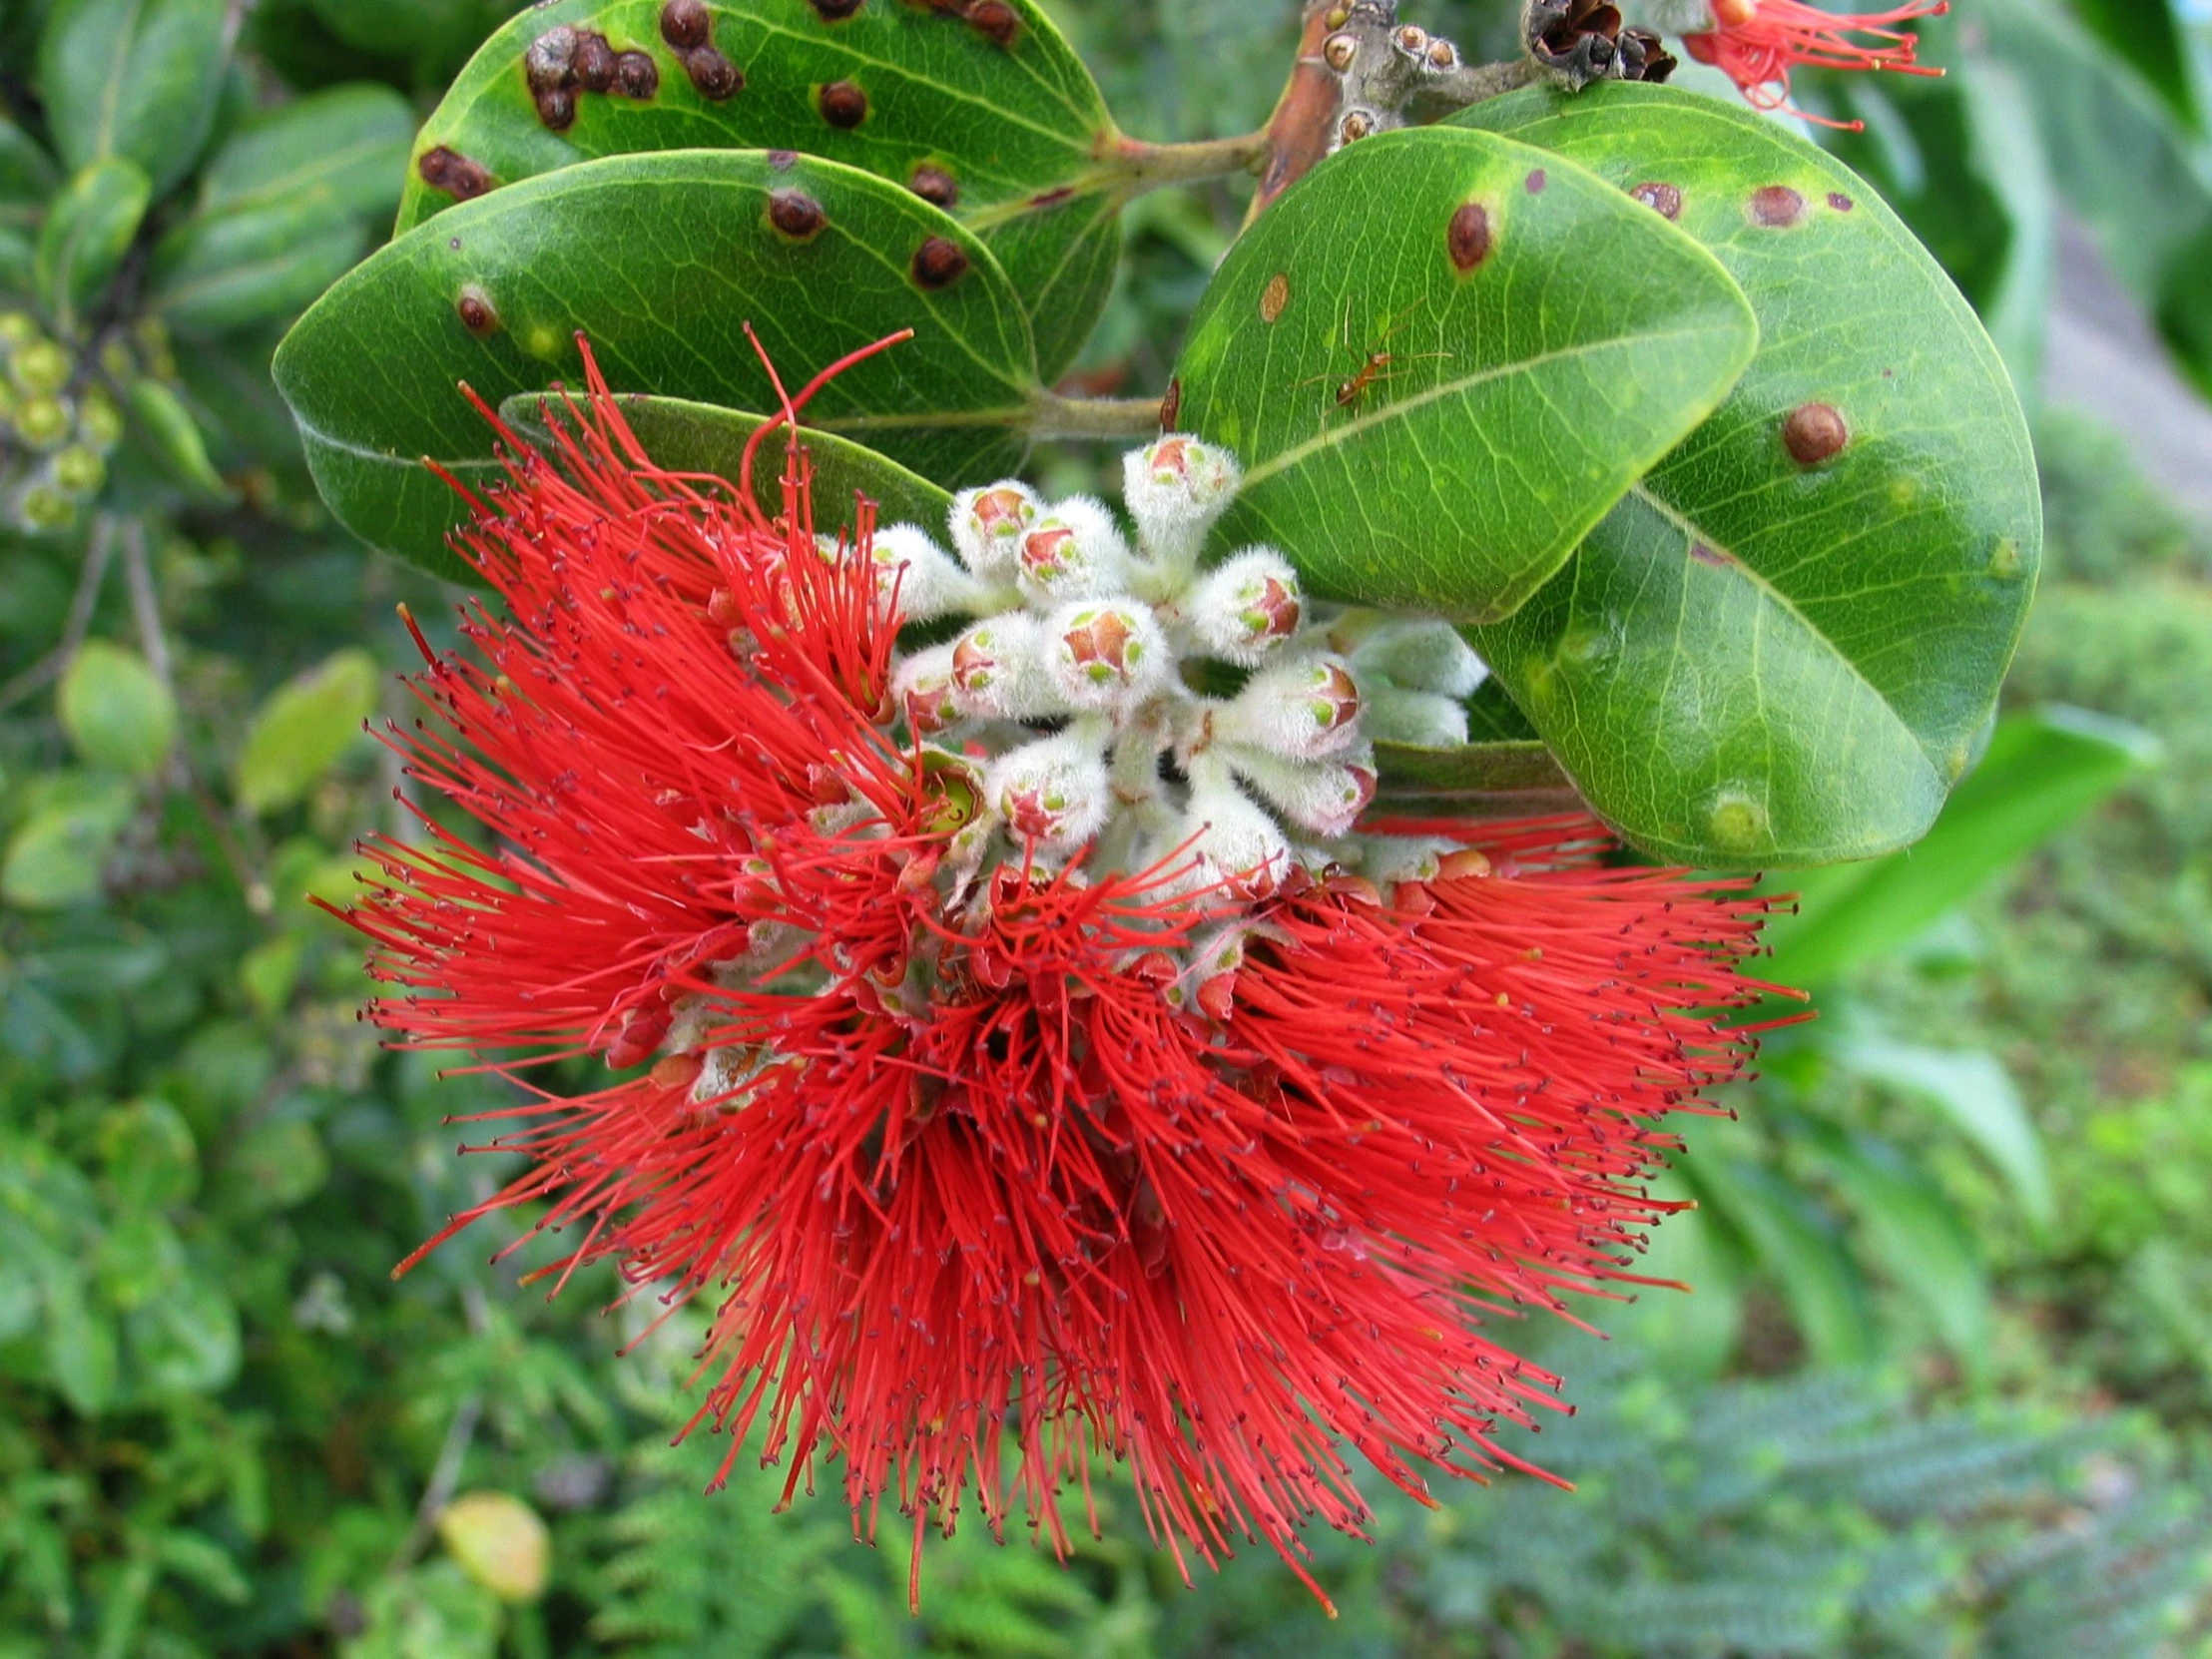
1425, 655
1176, 489
17, 328
999, 668
98, 421
42, 368
1054, 795
1107, 654
924, 692
1390, 860
79, 471
1232, 848
925, 579
43, 509
1392, 714
1324, 798
988, 526
1076, 551
1246, 609
1301, 710
43, 422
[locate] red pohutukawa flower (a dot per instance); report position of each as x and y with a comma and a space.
1756, 43
1042, 1067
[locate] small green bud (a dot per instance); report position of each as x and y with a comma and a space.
80, 471
43, 422
117, 361
99, 420
42, 368
43, 509
17, 328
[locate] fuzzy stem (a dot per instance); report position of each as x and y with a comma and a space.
1148, 167
1093, 419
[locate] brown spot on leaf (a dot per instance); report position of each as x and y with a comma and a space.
782, 160
842, 105
557, 109
995, 21
1469, 238
1777, 207
836, 11
1171, 406
453, 173
1813, 433
550, 63
937, 186
1537, 179
797, 215
1275, 297
715, 77
1840, 201
637, 76
686, 24
1707, 554
596, 63
476, 311
939, 263
1053, 197
1662, 198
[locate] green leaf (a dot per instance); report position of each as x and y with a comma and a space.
149, 1156
174, 438
87, 231
56, 857
698, 438
345, 149
1774, 652
1478, 780
1019, 129
299, 733
2151, 36
81, 1351
662, 260
134, 78
1978, 1096
2041, 772
1520, 302
1799, 1246
186, 1340
216, 274
117, 713
27, 176
1917, 1235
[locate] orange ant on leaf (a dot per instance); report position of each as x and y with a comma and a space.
1381, 365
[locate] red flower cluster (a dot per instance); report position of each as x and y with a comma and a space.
1756, 43
978, 1192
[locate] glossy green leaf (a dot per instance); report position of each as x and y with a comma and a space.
117, 712
345, 149
701, 439
87, 231
1019, 129
134, 78
1977, 1095
1478, 780
1917, 1235
302, 729
168, 430
2041, 772
1779, 649
661, 261
1522, 392
226, 270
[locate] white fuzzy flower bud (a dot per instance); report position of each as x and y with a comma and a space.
1230, 848
1426, 656
1246, 609
988, 526
1390, 714
999, 668
1053, 794
1076, 551
1107, 654
1176, 489
925, 579
1324, 798
1301, 710
924, 691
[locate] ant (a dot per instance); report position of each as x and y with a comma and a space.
1379, 361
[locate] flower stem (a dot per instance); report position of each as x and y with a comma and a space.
1147, 167
1093, 419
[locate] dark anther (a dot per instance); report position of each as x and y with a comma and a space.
476, 311
453, 173
714, 75
1662, 198
795, 214
939, 263
1469, 238
937, 186
1171, 406
1813, 433
995, 21
1777, 207
1583, 41
836, 11
596, 63
842, 105
557, 109
637, 76
686, 24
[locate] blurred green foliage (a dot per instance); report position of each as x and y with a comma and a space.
1986, 1176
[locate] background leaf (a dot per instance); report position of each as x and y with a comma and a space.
117, 713
88, 230
1513, 410
345, 149
299, 733
552, 255
134, 79
1016, 130
1779, 649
